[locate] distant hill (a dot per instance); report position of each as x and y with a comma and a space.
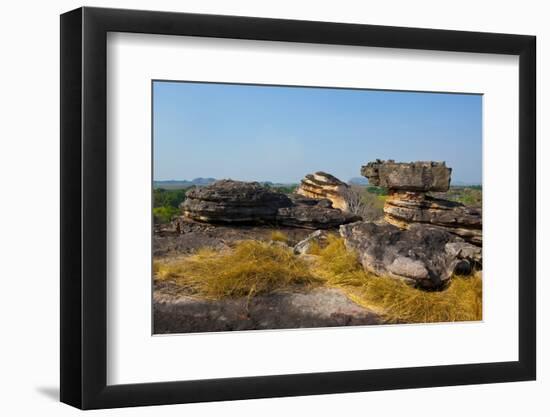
179, 184
358, 181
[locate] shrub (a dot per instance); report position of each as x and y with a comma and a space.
369, 206
164, 214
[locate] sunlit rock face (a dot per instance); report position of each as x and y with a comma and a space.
422, 255
238, 202
408, 203
322, 185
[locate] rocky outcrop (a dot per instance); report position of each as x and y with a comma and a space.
312, 214
409, 204
238, 202
404, 208
422, 255
228, 201
414, 176
321, 185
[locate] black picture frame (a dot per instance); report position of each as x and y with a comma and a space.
84, 207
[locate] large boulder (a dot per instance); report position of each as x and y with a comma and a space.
229, 201
410, 176
321, 185
421, 255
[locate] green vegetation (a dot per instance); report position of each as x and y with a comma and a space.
166, 204
367, 202
469, 195
281, 188
377, 190
253, 267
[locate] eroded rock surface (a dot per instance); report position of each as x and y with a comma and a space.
321, 185
229, 201
404, 208
238, 202
409, 204
409, 176
320, 307
423, 255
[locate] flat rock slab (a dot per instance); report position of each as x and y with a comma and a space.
319, 307
409, 176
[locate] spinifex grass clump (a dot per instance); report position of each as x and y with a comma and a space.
394, 299
278, 236
251, 267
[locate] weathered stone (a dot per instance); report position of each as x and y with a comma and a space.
318, 307
303, 246
229, 201
321, 185
313, 214
238, 202
408, 203
405, 208
418, 255
409, 176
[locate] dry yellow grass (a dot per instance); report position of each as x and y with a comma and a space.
278, 236
252, 267
394, 299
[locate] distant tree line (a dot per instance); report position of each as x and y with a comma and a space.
166, 204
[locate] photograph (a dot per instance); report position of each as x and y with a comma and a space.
286, 207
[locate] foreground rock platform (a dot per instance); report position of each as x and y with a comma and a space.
321, 185
237, 202
319, 307
422, 255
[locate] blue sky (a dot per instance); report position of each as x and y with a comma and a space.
279, 134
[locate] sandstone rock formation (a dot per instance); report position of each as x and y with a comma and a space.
423, 255
322, 185
414, 176
229, 201
409, 204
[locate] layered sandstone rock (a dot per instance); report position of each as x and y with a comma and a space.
229, 201
404, 208
322, 185
418, 176
423, 255
409, 204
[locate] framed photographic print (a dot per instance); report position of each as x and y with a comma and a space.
258, 207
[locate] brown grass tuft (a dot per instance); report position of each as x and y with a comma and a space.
278, 236
394, 299
252, 267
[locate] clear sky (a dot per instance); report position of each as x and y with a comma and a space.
279, 134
